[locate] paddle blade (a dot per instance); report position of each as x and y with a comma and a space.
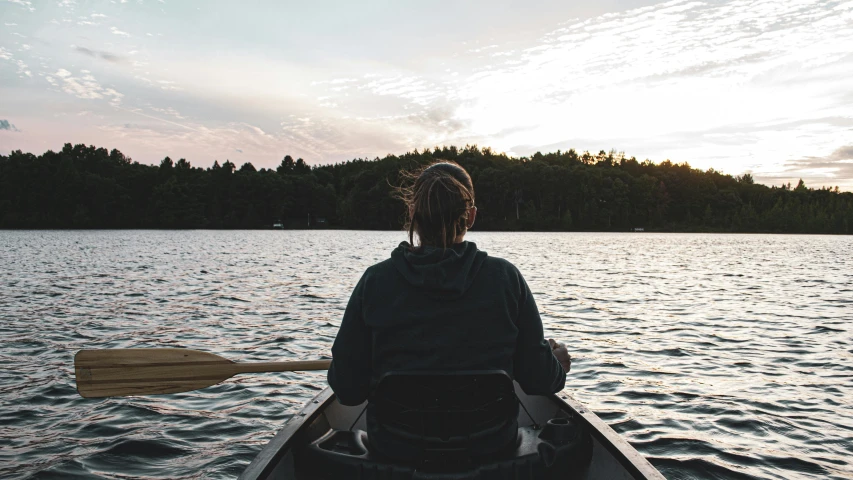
147, 371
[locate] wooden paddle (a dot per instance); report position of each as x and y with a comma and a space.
150, 371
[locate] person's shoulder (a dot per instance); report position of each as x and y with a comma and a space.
498, 264
384, 266
375, 278
379, 270
502, 272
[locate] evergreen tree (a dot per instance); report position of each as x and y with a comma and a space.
88, 187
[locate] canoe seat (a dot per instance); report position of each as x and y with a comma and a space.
447, 426
411, 416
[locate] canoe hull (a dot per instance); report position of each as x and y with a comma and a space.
612, 457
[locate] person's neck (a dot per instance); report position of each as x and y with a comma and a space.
457, 240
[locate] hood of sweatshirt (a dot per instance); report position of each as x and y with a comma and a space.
441, 273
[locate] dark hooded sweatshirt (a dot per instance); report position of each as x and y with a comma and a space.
441, 309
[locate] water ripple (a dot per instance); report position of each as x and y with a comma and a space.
716, 356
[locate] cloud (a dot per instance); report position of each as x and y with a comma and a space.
116, 31
335, 81
168, 111
413, 89
164, 84
733, 84
826, 171
837, 165
843, 153
86, 87
666, 80
162, 135
23, 69
24, 3
110, 57
5, 125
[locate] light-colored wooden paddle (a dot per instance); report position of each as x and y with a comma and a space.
152, 371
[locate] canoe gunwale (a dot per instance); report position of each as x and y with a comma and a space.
269, 457
267, 460
628, 456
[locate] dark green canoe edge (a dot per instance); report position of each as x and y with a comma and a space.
266, 461
637, 465
628, 456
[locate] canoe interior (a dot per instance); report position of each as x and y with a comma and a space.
612, 457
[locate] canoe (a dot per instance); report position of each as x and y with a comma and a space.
612, 458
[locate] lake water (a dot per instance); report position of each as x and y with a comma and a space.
716, 356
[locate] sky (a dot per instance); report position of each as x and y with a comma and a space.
758, 86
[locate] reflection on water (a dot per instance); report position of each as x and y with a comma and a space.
717, 356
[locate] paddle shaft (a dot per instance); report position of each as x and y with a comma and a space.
263, 367
202, 370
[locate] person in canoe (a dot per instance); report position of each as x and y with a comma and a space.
442, 305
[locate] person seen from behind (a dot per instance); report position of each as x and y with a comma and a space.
442, 305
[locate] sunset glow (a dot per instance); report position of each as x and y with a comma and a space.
741, 86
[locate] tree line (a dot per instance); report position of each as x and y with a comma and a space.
87, 187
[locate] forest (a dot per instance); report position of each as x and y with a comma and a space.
87, 187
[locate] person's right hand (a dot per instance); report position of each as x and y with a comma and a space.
561, 353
